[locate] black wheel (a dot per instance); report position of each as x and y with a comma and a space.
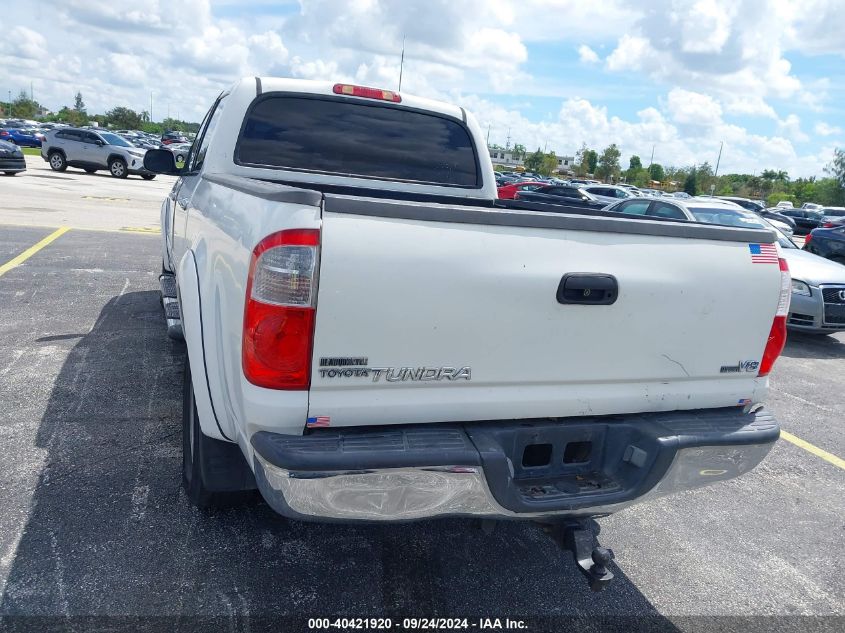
214, 473
118, 168
10, 173
148, 176
88, 170
57, 161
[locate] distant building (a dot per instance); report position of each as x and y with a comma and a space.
510, 159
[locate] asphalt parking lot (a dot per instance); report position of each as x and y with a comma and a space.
94, 522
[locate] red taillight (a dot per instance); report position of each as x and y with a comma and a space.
4, 133
826, 225
368, 93
808, 238
777, 335
280, 309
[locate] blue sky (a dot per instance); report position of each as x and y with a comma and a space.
763, 76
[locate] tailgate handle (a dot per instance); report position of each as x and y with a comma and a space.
595, 289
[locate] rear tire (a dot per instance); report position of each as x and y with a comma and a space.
10, 173
57, 161
214, 472
148, 176
118, 168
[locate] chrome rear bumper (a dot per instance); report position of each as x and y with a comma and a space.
699, 450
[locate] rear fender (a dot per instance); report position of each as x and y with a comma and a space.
190, 304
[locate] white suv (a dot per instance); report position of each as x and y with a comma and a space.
94, 150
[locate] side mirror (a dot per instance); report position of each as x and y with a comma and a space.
161, 161
100, 142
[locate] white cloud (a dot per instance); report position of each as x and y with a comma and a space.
24, 43
824, 129
735, 49
587, 55
791, 128
693, 109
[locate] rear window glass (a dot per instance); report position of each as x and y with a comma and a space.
350, 138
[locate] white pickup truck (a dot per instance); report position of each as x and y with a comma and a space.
373, 336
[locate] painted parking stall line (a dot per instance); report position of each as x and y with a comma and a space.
20, 259
812, 448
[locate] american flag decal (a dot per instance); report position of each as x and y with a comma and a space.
318, 421
743, 402
763, 253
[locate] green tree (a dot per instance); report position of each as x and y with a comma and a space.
608, 163
836, 167
549, 164
690, 183
829, 192
592, 158
655, 172
73, 117
534, 162
519, 150
635, 163
23, 107
774, 198
78, 103
121, 117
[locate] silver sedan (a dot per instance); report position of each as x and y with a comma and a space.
818, 291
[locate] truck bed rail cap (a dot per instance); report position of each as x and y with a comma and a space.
267, 190
542, 220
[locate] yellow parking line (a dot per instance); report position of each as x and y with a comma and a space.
20, 259
126, 229
815, 450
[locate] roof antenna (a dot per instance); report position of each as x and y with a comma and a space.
401, 64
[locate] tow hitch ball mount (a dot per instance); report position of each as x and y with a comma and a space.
592, 559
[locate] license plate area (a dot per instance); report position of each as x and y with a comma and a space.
543, 464
834, 314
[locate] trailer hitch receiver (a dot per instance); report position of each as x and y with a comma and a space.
592, 559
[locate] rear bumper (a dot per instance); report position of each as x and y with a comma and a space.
506, 469
12, 164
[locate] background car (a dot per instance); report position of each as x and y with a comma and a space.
805, 219
829, 243
20, 137
701, 209
509, 191
648, 206
12, 160
173, 137
561, 195
818, 291
831, 214
607, 193
180, 152
811, 206
92, 151
774, 214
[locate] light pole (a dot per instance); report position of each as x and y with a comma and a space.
721, 144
